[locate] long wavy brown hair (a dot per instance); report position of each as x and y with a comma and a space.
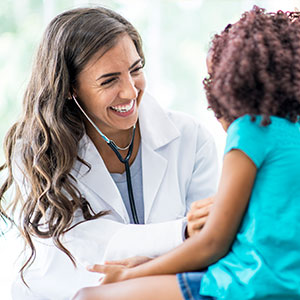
45, 139
255, 67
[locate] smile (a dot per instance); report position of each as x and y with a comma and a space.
123, 108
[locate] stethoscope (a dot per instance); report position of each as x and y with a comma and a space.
125, 160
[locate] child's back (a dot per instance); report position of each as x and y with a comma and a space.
265, 258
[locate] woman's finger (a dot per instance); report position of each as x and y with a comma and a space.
199, 223
129, 262
101, 280
123, 262
199, 213
201, 203
97, 268
196, 226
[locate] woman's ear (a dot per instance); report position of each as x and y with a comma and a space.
72, 95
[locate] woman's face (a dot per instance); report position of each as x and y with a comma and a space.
110, 88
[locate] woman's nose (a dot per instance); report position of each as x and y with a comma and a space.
128, 89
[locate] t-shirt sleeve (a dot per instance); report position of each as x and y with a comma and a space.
249, 137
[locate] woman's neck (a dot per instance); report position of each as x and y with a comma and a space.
122, 139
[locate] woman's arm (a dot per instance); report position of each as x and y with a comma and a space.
217, 235
96, 241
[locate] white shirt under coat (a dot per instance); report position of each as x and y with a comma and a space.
179, 166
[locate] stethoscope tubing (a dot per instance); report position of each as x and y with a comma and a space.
125, 160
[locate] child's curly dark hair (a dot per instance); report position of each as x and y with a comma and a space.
255, 67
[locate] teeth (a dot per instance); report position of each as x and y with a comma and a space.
123, 108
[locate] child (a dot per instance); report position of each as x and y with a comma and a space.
249, 246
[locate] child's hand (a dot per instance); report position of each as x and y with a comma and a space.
198, 215
129, 262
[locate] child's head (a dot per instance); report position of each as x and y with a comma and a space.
254, 67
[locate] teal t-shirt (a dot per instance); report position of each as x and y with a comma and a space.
264, 261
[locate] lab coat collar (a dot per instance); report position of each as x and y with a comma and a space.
157, 130
156, 127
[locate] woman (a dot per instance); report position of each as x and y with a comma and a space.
103, 171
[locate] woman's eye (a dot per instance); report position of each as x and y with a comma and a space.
137, 69
108, 81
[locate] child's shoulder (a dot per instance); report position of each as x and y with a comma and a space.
246, 124
280, 130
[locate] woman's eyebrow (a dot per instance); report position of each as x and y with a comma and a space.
135, 63
118, 73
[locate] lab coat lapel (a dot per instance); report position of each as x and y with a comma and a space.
154, 169
157, 130
98, 179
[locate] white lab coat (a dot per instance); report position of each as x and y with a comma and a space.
179, 166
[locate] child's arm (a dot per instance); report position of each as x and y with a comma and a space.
217, 235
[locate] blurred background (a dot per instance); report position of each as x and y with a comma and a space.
176, 36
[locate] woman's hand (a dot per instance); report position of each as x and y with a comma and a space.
198, 215
129, 262
113, 273
118, 270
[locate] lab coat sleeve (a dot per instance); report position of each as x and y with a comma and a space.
147, 240
102, 239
